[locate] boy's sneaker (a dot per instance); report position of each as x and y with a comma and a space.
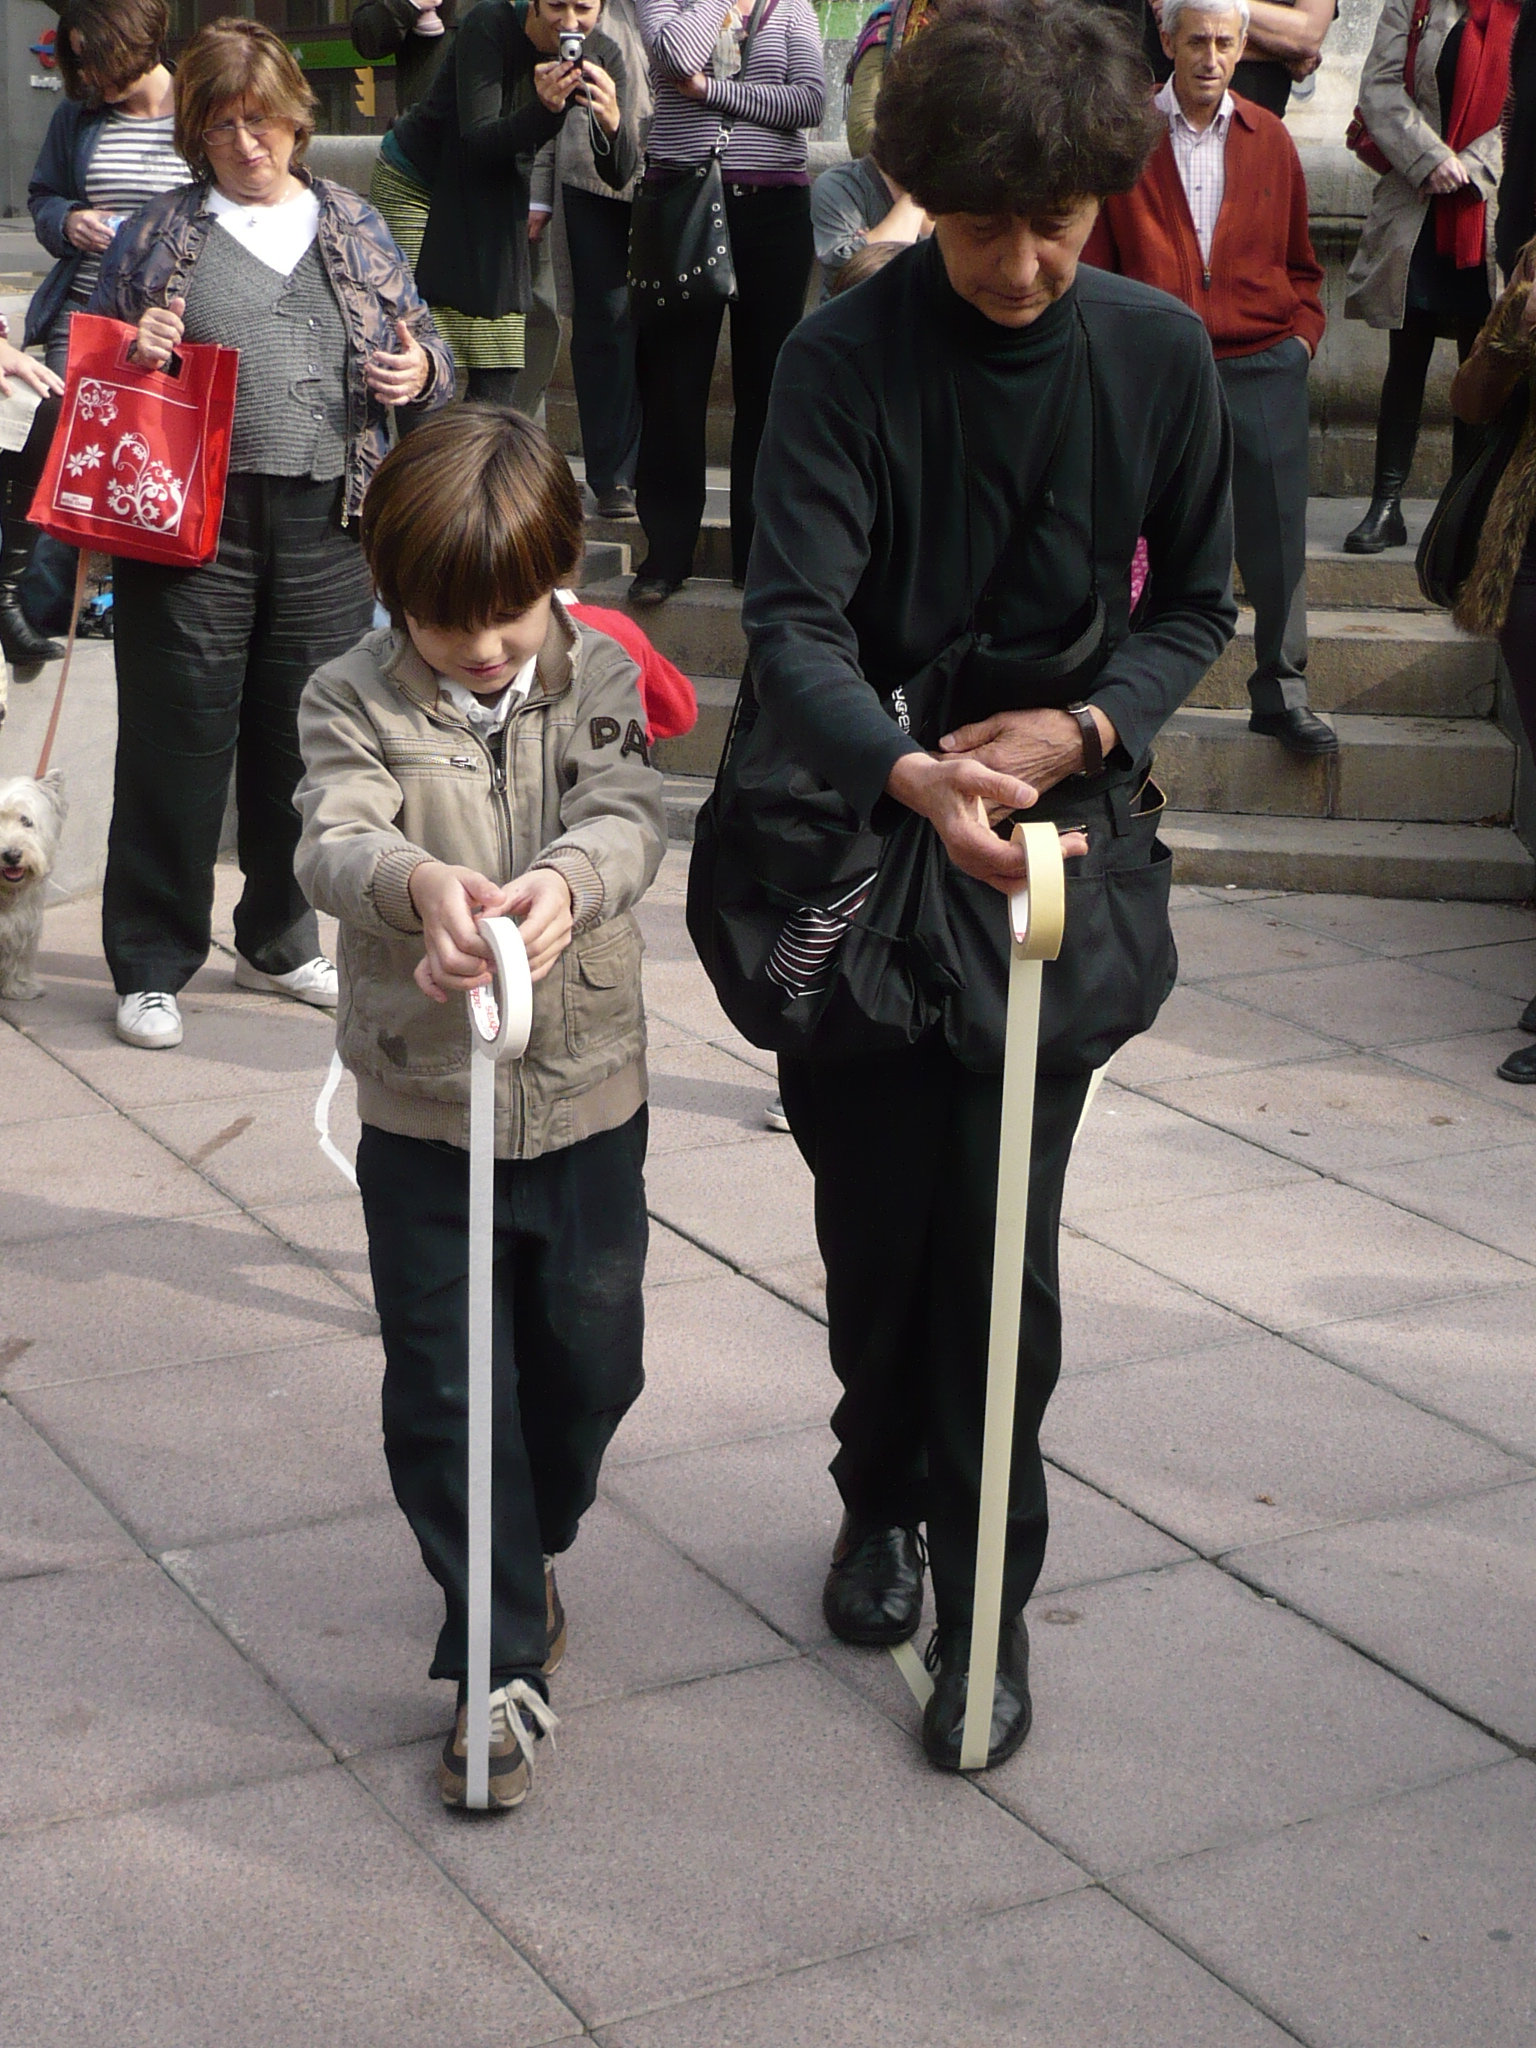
314, 982
554, 1614
773, 1116
150, 1019
519, 1719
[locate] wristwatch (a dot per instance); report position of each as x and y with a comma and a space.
1093, 746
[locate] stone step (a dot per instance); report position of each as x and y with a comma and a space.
698, 752
1401, 664
1451, 770
1362, 857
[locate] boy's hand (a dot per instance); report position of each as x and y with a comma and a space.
541, 903
447, 900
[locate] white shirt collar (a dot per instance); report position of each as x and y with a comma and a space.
1168, 101
487, 717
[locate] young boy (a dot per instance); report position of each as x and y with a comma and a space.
485, 756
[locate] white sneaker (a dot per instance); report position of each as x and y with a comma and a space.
314, 982
774, 1117
149, 1019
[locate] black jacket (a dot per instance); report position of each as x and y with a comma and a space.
384, 28
1517, 188
473, 138
867, 482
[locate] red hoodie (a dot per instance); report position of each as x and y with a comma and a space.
1264, 281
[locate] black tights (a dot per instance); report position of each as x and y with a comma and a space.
1409, 349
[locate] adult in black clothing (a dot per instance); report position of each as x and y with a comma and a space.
418, 34
981, 401
1517, 186
502, 92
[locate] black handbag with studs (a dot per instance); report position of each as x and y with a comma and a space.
679, 240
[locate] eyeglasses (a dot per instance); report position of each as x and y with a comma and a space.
226, 131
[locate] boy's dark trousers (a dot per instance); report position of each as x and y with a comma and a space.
571, 1237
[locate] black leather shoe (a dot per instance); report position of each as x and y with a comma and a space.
1520, 1066
1298, 729
949, 1658
1528, 1016
874, 1591
1380, 529
649, 590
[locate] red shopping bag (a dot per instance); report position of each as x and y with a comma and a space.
140, 458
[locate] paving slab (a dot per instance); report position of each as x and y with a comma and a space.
34, 1087
1132, 1153
100, 1172
1394, 926
331, 1232
724, 1360
191, 1453
163, 1293
287, 1914
1488, 1195
114, 1690
1509, 968
1314, 1252
1258, 1440
260, 1149
1232, 937
701, 1096
1348, 1115
1445, 1594
1407, 1924
672, 1258
800, 1281
49, 1522
1199, 1032
1472, 1062
1113, 1310
750, 1204
677, 994
1175, 1711
1377, 1002
1473, 1360
1075, 1972
688, 1839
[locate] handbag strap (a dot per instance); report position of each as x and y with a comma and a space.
760, 14
69, 655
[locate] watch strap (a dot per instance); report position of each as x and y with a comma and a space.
1093, 746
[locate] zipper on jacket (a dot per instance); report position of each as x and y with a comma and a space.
495, 756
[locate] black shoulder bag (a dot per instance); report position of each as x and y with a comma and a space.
1448, 550
679, 241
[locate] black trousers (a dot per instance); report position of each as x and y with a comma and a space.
1266, 398
569, 1328
773, 249
603, 336
211, 663
903, 1147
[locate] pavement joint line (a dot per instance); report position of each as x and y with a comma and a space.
133, 1372
641, 1459
151, 1802
701, 1244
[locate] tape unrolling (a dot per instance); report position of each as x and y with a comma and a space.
500, 1020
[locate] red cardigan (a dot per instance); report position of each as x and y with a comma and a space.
1264, 280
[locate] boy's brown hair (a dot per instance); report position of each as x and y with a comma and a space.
864, 262
120, 41
235, 62
472, 518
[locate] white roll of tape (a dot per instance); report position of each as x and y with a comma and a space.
501, 1013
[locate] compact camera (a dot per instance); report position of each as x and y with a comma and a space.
572, 43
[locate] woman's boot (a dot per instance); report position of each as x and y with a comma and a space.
25, 649
1383, 527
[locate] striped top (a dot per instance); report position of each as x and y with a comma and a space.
1200, 155
782, 90
133, 162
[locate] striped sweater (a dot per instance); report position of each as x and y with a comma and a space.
782, 90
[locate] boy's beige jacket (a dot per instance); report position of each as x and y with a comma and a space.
393, 775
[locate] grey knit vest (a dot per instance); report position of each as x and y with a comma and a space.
291, 399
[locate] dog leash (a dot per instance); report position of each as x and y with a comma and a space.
69, 655
501, 1018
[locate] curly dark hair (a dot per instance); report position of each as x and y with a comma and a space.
1013, 106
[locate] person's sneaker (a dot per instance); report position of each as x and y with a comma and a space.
773, 1115
554, 1617
314, 982
150, 1019
519, 1720
618, 502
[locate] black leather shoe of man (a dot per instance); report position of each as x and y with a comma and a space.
874, 1591
1298, 729
949, 1658
1520, 1066
649, 590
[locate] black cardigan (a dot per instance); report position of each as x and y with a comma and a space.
474, 137
865, 485
1517, 188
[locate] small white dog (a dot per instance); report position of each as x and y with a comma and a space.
31, 819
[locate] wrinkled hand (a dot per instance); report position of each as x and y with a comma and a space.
160, 334
957, 798
1448, 176
1041, 747
37, 376
600, 94
401, 377
554, 83
1303, 67
89, 230
694, 88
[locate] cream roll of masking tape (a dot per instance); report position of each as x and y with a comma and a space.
501, 1012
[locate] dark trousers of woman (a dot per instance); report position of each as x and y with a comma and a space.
211, 663
903, 1147
603, 336
1409, 349
568, 1334
773, 250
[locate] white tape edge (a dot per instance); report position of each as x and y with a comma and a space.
501, 1014
323, 1102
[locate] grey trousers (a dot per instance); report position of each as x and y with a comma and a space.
1266, 398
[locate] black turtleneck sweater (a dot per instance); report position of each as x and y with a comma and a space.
906, 434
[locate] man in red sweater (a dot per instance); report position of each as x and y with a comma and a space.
1219, 219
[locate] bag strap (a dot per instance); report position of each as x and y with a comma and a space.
69, 655
760, 14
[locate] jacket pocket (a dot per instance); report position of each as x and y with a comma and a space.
602, 986
408, 758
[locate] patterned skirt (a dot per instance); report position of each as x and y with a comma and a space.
477, 344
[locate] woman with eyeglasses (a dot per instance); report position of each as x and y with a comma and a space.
303, 278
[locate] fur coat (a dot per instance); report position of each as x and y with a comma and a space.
1483, 601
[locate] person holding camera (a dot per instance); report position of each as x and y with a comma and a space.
505, 89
